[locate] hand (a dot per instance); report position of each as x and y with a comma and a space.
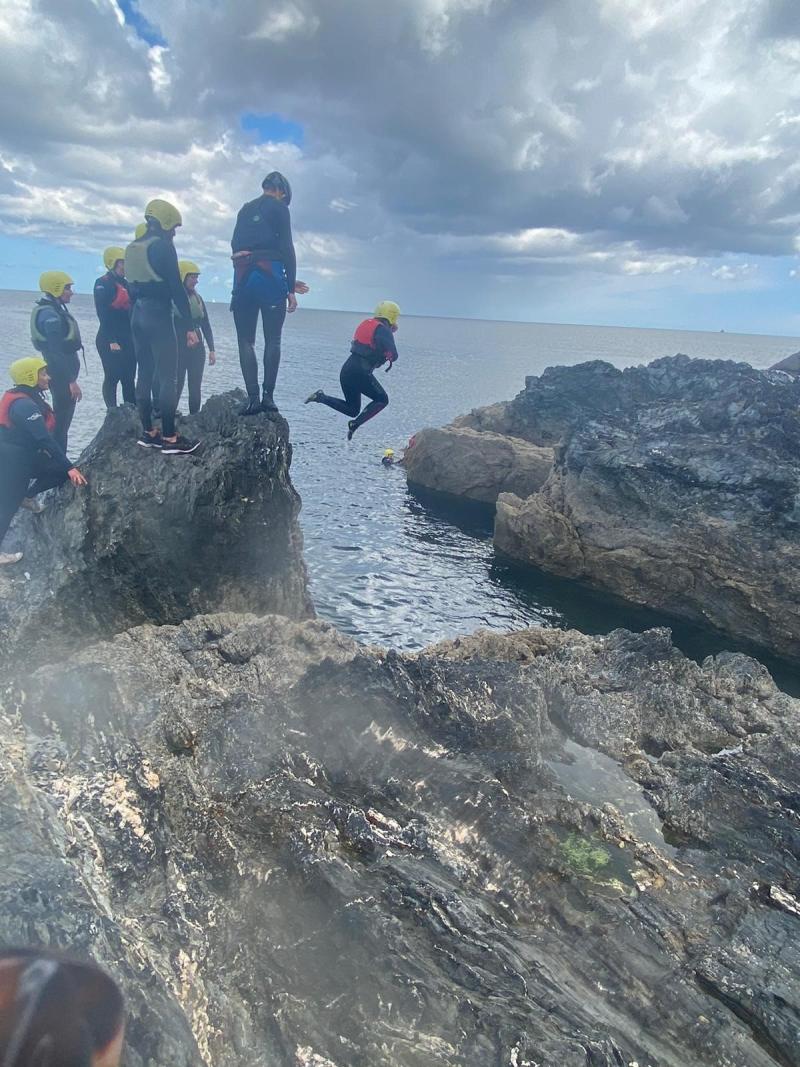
301, 288
192, 339
291, 303
212, 358
388, 368
75, 391
114, 346
76, 477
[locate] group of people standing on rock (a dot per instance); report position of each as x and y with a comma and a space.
150, 339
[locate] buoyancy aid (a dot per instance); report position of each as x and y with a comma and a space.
12, 395
122, 298
139, 272
365, 333
71, 340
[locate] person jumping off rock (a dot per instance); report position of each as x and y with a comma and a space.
151, 267
372, 346
28, 448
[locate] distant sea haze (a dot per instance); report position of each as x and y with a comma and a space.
385, 566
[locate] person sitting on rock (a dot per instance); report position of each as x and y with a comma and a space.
28, 448
112, 301
372, 346
55, 333
192, 358
58, 1012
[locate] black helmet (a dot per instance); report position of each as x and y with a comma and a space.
275, 180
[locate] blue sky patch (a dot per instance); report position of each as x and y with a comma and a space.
136, 20
273, 128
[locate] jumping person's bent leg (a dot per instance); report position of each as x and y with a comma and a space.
373, 389
351, 378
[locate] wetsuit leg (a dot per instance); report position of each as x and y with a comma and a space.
272, 320
15, 473
183, 358
63, 409
245, 318
111, 370
372, 388
127, 371
145, 366
154, 332
351, 378
194, 370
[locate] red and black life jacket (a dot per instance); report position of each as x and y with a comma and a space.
365, 333
122, 298
11, 395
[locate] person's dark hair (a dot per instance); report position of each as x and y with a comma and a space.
55, 1011
276, 181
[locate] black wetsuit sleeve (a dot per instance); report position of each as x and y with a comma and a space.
164, 261
237, 241
283, 231
205, 326
26, 417
104, 294
384, 342
60, 364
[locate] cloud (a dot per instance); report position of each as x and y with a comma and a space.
630, 137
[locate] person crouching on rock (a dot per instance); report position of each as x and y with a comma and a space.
28, 448
112, 301
55, 333
151, 267
192, 358
58, 1012
372, 346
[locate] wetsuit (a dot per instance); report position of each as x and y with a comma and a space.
356, 376
55, 333
112, 300
28, 450
151, 265
192, 361
262, 281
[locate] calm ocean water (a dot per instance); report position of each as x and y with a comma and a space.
385, 565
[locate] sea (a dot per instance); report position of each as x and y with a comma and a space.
388, 565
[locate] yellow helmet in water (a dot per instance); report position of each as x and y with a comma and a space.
186, 266
54, 282
388, 452
165, 214
387, 309
26, 371
112, 256
140, 231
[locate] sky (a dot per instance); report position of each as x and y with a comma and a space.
629, 162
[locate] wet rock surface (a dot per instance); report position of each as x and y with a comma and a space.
674, 485
297, 851
158, 538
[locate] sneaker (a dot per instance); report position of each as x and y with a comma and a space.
252, 407
9, 557
150, 440
352, 426
32, 504
181, 446
314, 398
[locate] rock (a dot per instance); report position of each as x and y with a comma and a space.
476, 465
157, 538
293, 850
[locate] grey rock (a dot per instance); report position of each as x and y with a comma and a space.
296, 851
157, 538
476, 465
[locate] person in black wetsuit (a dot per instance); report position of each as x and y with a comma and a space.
28, 448
55, 333
192, 359
151, 266
112, 301
372, 346
264, 283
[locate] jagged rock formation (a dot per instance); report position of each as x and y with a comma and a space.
674, 485
478, 466
296, 851
157, 538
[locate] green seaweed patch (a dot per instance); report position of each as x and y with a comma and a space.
584, 855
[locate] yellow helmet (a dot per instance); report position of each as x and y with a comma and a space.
388, 452
140, 231
54, 282
112, 255
186, 266
26, 371
165, 214
387, 309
